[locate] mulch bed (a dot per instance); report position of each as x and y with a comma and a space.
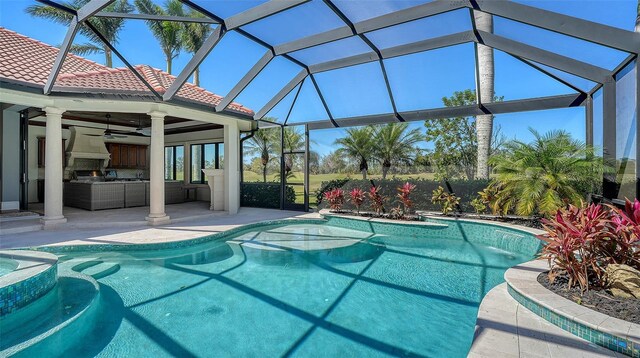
627, 309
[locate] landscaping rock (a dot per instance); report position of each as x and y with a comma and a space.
624, 281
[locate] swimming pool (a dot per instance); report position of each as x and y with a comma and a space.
288, 289
7, 265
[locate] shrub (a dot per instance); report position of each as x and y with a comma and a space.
467, 190
582, 241
326, 186
335, 198
403, 194
377, 199
264, 195
447, 201
357, 196
479, 205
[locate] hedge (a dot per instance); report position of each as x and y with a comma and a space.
467, 190
264, 195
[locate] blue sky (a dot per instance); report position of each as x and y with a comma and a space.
418, 81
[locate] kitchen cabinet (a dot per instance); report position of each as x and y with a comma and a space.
127, 156
42, 152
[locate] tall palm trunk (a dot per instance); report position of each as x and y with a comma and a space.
169, 61
108, 59
638, 18
486, 74
196, 77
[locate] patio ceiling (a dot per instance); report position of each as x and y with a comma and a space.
354, 34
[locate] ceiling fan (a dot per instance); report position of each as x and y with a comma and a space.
141, 130
108, 133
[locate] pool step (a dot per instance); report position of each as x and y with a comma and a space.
63, 314
97, 268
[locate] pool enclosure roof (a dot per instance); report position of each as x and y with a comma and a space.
310, 51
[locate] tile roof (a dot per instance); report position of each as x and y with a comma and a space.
28, 61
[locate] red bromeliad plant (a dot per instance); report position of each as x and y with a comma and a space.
403, 194
583, 241
335, 198
356, 196
377, 199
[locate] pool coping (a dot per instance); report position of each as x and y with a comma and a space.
606, 331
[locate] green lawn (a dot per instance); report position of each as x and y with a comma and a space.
317, 179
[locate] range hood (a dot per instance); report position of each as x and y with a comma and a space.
87, 143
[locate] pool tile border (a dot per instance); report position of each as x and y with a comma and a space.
36, 274
608, 332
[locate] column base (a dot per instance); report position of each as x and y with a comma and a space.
158, 219
48, 222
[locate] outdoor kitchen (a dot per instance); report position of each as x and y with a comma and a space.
106, 163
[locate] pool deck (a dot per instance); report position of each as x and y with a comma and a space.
504, 328
507, 329
123, 226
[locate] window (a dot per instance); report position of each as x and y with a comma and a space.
205, 156
174, 162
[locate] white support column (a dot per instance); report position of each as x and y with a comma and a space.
157, 216
231, 167
53, 168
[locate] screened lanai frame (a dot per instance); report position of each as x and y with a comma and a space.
593, 32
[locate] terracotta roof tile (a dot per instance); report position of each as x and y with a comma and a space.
27, 60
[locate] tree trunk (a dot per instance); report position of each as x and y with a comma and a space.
264, 173
364, 174
196, 77
169, 63
364, 167
486, 74
638, 18
108, 57
385, 168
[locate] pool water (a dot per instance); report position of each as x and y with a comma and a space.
7, 266
261, 294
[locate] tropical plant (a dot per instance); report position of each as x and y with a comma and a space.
539, 177
263, 144
357, 196
194, 34
447, 201
168, 33
479, 205
357, 144
571, 238
377, 199
326, 186
109, 27
583, 241
404, 193
486, 75
625, 248
394, 144
335, 198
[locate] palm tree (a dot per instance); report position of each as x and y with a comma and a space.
293, 141
394, 144
358, 144
108, 27
486, 74
194, 34
168, 33
544, 175
263, 143
637, 28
